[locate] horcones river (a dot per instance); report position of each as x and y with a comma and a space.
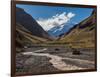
58, 63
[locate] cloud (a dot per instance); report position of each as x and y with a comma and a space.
57, 20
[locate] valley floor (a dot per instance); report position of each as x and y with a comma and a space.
39, 60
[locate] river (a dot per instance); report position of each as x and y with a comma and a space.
56, 61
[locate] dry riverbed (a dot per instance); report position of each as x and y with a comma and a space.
40, 60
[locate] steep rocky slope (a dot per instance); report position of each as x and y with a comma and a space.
28, 22
82, 34
25, 38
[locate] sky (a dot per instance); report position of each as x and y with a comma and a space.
51, 16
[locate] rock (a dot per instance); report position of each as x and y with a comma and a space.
25, 47
57, 49
75, 52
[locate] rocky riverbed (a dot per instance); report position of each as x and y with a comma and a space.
39, 60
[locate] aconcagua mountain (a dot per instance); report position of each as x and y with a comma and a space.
58, 30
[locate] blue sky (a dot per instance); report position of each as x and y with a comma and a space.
47, 12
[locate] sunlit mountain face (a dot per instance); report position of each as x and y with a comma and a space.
56, 20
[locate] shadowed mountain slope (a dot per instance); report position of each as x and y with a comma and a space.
25, 38
28, 22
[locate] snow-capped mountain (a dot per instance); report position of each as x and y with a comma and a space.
57, 30
57, 24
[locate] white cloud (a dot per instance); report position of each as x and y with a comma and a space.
57, 20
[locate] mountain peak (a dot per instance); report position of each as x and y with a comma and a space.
19, 9
58, 30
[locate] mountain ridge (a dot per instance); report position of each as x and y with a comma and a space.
30, 24
84, 32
